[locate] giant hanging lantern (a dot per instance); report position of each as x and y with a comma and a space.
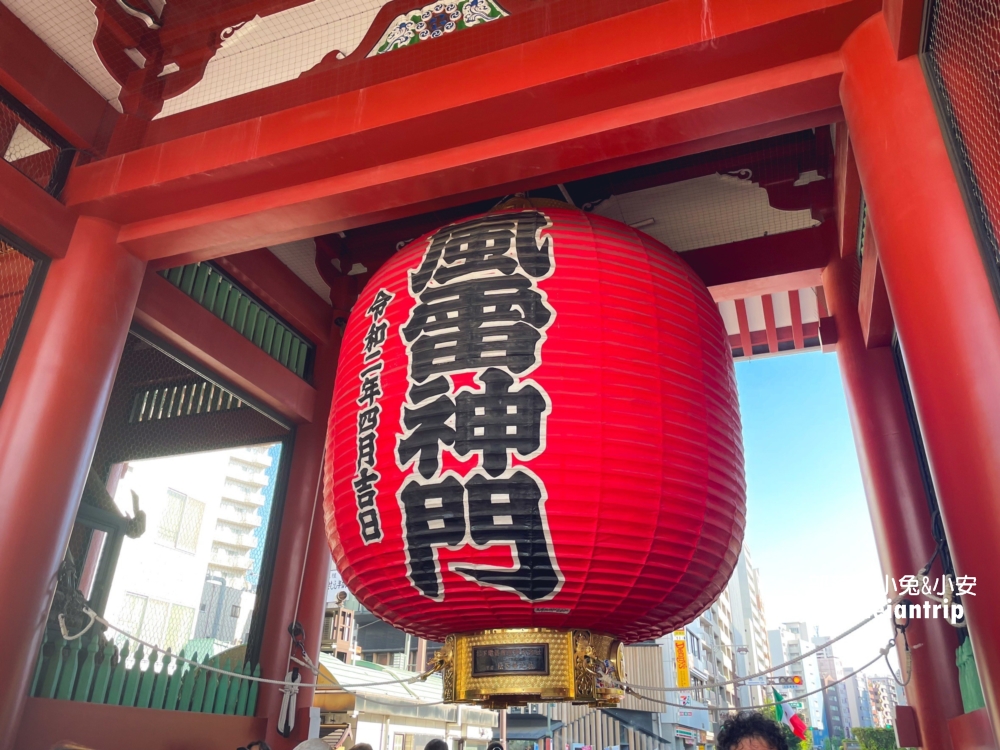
534, 453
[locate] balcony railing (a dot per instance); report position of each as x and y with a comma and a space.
235, 539
234, 562
240, 494
240, 516
256, 478
261, 460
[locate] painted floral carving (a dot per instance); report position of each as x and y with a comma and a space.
435, 20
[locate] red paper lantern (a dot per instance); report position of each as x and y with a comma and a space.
535, 425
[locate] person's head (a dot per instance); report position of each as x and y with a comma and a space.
362, 746
436, 744
750, 730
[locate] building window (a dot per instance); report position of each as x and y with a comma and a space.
154, 621
181, 522
235, 611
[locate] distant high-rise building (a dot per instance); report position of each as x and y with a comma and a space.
836, 704
883, 699
857, 699
790, 640
749, 627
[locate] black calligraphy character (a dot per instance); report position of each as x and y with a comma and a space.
375, 336
371, 528
477, 247
534, 250
482, 244
368, 419
428, 430
364, 492
508, 511
379, 304
366, 449
498, 420
364, 487
477, 323
434, 516
371, 389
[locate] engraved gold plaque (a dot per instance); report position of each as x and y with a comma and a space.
514, 667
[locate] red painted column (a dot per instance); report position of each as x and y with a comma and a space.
49, 423
303, 558
897, 500
946, 319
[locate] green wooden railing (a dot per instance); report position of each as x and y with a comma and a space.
214, 291
93, 670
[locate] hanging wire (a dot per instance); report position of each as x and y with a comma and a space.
629, 689
888, 605
239, 675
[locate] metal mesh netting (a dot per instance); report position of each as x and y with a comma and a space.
18, 274
963, 49
159, 61
737, 193
173, 539
31, 147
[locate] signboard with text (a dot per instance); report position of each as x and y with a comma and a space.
680, 654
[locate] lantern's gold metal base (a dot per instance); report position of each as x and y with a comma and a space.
514, 667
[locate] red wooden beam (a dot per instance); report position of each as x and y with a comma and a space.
48, 722
33, 215
619, 89
741, 316
904, 19
769, 327
479, 170
798, 333
199, 244
552, 46
973, 730
821, 301
271, 280
197, 333
785, 335
765, 265
848, 192
50, 88
873, 298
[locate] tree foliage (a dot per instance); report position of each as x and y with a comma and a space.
875, 738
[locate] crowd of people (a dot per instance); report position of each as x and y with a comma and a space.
747, 730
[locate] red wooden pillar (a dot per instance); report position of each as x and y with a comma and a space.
896, 500
302, 566
946, 319
49, 423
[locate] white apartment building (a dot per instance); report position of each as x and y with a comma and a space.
190, 580
709, 643
752, 653
789, 641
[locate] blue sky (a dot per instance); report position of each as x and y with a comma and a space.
807, 521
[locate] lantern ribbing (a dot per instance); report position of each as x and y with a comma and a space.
535, 426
